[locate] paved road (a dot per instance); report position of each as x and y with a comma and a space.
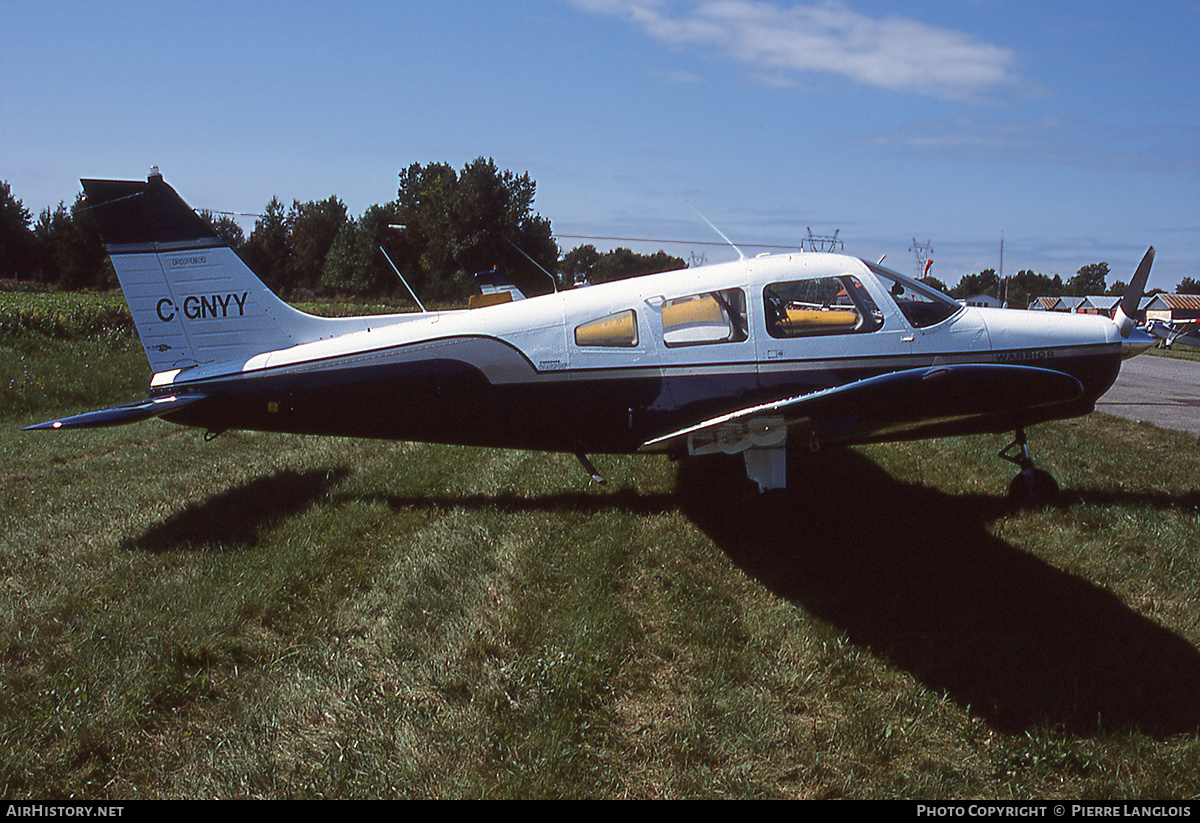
1158, 390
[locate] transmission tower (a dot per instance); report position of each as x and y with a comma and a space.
823, 242
922, 251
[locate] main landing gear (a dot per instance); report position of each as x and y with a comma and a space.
1032, 486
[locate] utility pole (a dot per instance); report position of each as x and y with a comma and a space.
1003, 283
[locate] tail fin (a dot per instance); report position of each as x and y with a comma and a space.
192, 298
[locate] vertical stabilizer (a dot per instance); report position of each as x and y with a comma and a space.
192, 298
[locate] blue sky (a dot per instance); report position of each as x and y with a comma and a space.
1072, 128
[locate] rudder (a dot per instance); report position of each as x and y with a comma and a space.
192, 298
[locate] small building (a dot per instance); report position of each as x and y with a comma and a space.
1171, 308
1099, 304
1065, 304
984, 300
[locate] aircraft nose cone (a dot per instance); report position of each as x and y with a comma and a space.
1136, 343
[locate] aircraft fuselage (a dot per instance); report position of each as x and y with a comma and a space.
746, 357
525, 375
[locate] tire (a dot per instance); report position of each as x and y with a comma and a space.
1044, 491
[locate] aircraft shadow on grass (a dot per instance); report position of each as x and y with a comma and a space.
913, 575
234, 518
907, 572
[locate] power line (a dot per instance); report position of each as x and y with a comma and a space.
232, 213
680, 242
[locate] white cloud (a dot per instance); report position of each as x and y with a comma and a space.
892, 53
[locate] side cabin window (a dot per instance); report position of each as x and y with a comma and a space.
612, 330
821, 305
712, 317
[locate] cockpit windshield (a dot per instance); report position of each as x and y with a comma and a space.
922, 305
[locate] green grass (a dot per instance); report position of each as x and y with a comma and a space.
1179, 351
279, 616
25, 315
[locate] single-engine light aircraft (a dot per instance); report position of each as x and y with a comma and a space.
750, 357
1166, 335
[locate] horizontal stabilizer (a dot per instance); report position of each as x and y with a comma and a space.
145, 214
118, 415
894, 402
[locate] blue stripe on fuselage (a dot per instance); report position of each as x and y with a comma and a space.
446, 400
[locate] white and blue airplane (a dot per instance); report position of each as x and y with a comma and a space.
752, 357
1166, 335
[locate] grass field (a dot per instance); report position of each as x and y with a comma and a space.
1178, 351
278, 616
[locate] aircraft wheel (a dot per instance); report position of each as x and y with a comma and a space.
1044, 489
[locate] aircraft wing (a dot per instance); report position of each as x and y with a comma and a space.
129, 413
916, 400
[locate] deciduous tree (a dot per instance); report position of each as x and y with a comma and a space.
17, 243
1089, 280
269, 247
622, 263
1026, 286
355, 264
460, 223
226, 228
986, 282
576, 265
312, 228
70, 253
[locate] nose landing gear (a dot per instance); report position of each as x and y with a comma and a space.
1032, 486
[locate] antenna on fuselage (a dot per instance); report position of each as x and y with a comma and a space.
420, 305
718, 231
553, 281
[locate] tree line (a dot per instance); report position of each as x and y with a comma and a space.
444, 226
62, 248
1025, 286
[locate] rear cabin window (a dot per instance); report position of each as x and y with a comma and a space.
822, 305
612, 330
698, 319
